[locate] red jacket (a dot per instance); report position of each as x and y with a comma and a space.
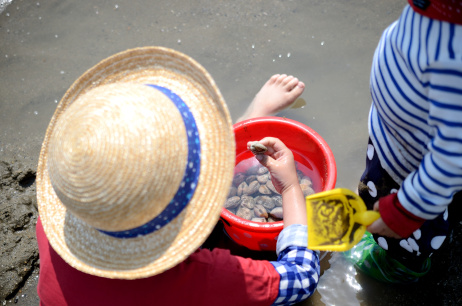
205, 278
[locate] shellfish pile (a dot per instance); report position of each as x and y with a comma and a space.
252, 195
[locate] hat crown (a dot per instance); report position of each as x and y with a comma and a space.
117, 155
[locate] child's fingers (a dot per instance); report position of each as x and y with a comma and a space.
273, 144
264, 160
381, 228
276, 150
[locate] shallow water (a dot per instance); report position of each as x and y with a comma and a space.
4, 4
46, 45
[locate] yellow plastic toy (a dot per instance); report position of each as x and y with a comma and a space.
337, 220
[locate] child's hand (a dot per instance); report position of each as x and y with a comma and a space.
280, 162
379, 226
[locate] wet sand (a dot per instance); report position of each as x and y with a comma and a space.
45, 46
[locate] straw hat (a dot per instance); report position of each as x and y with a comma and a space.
135, 165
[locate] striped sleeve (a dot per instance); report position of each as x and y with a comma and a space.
428, 190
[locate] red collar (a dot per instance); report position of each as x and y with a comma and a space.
444, 10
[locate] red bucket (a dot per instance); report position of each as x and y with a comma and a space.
309, 149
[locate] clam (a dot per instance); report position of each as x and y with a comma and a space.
250, 178
242, 187
277, 200
260, 211
265, 201
245, 213
232, 191
306, 180
252, 188
232, 202
264, 190
262, 170
307, 190
262, 179
276, 213
270, 185
258, 148
247, 202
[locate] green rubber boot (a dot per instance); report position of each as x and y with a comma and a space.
369, 258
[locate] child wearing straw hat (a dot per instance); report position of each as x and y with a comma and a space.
414, 156
134, 169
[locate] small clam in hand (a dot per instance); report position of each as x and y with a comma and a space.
258, 148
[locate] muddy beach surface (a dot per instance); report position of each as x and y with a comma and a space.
46, 45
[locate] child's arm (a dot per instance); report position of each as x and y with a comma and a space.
280, 162
297, 266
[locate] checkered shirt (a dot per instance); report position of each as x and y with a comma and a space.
298, 267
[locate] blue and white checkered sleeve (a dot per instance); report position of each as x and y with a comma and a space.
297, 266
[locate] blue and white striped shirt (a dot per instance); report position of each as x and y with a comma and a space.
415, 121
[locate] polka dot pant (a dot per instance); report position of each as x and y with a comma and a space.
376, 183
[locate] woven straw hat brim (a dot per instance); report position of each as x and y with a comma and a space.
96, 253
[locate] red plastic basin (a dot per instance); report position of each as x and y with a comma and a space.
309, 149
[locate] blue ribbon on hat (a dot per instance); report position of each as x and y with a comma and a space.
188, 183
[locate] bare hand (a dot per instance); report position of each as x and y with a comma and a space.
379, 227
280, 162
